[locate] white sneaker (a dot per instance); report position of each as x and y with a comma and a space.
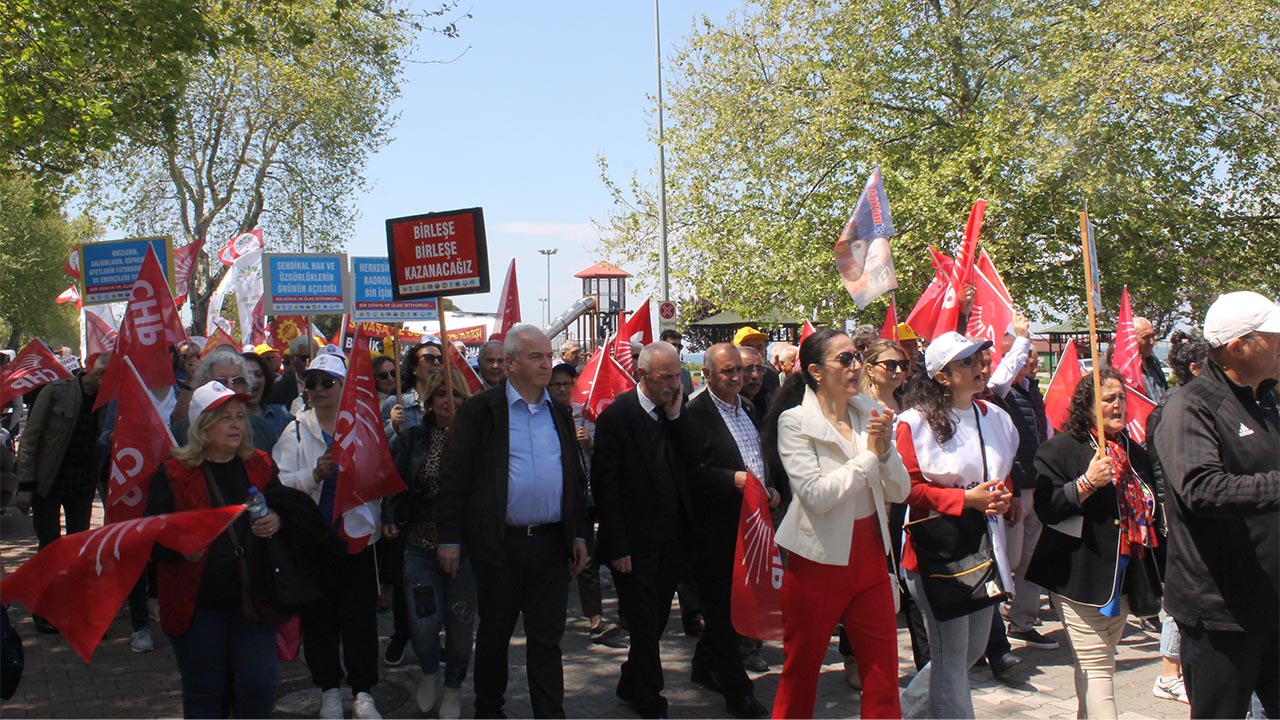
331, 704
364, 708
1170, 689
428, 691
451, 703
141, 641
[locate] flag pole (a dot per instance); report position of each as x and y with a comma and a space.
445, 347
395, 355
1089, 290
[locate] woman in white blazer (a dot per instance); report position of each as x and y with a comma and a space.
843, 469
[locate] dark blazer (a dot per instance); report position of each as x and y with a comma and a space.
471, 507
717, 501
627, 473
1083, 568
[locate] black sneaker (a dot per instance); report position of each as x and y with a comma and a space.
394, 654
1001, 665
1032, 638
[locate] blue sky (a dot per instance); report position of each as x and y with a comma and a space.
515, 126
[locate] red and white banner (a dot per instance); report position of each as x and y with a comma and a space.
621, 349
150, 326
1137, 408
142, 442
1124, 357
756, 601
99, 334
992, 310
1057, 399
32, 367
80, 581
70, 295
509, 304
640, 323
459, 363
961, 272
602, 379
240, 245
366, 471
218, 339
184, 266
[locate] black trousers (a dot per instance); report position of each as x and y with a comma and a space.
717, 650
1222, 669
346, 615
644, 598
589, 593
533, 582
390, 552
46, 513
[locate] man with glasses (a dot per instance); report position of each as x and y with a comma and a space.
1217, 444
753, 370
758, 341
289, 385
638, 479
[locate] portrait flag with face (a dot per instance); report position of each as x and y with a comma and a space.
862, 252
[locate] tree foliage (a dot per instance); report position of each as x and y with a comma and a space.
1162, 116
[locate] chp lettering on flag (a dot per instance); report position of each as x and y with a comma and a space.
141, 443
862, 254
79, 582
756, 599
31, 368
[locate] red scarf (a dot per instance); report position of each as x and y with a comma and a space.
1137, 504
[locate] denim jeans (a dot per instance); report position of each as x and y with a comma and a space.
941, 688
433, 600
222, 644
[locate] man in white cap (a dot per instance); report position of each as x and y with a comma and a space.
1219, 443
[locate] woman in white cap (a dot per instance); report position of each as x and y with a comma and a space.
347, 614
200, 594
958, 451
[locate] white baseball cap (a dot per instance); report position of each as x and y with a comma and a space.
210, 396
332, 351
950, 346
1236, 314
327, 363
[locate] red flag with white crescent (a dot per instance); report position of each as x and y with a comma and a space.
756, 601
72, 267
32, 367
240, 245
141, 443
150, 326
509, 304
70, 295
640, 323
602, 379
184, 265
1125, 358
79, 582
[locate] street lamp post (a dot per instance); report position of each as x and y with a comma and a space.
662, 166
549, 253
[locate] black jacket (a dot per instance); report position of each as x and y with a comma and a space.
472, 503
1083, 568
717, 501
1219, 444
638, 478
1026, 409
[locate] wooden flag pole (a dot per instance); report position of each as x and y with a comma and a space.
395, 355
1089, 290
445, 347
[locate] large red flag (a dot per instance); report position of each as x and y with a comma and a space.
32, 367
992, 307
1137, 408
756, 602
509, 304
184, 266
640, 324
1124, 357
1057, 400
150, 326
79, 582
218, 339
99, 335
961, 272
925, 313
621, 349
142, 442
889, 330
459, 363
366, 471
602, 379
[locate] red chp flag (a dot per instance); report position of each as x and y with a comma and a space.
889, 330
150, 326
184, 266
1057, 400
509, 305
756, 603
1125, 357
79, 582
241, 245
925, 313
1137, 408
459, 363
641, 323
71, 268
32, 367
70, 295
621, 349
602, 379
99, 335
961, 272
142, 442
992, 307
366, 471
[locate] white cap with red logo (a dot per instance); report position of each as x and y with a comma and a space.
211, 396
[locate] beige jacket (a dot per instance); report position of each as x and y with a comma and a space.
826, 473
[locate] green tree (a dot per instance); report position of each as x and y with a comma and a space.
270, 134
1162, 116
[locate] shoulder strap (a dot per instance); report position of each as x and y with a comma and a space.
215, 496
982, 444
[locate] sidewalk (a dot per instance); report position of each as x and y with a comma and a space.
120, 683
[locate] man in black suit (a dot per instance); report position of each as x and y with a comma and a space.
513, 492
643, 504
728, 455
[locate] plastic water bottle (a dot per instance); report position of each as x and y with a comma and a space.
256, 505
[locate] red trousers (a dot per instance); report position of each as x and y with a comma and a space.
814, 598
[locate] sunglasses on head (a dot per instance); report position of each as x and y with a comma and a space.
324, 381
893, 365
847, 359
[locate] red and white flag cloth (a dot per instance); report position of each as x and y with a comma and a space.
141, 443
756, 601
184, 266
70, 295
240, 245
80, 581
509, 304
72, 267
1057, 399
1125, 358
640, 323
602, 379
1137, 408
32, 367
218, 339
621, 349
284, 329
459, 363
924, 315
961, 272
100, 335
889, 330
366, 471
992, 307
805, 331
150, 326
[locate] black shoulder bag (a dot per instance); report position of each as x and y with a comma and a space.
955, 558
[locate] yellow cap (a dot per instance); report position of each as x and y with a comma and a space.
263, 349
748, 333
906, 333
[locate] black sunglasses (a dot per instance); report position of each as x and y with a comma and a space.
430, 358
893, 365
386, 375
324, 381
965, 361
847, 359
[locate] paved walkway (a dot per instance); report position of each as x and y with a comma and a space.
119, 683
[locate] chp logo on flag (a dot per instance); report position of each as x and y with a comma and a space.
241, 245
756, 599
34, 366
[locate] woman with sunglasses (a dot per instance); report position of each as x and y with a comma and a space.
347, 613
836, 449
884, 368
958, 451
384, 377
420, 363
